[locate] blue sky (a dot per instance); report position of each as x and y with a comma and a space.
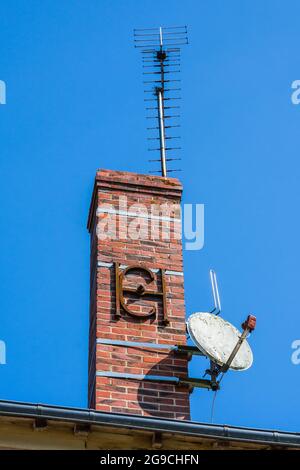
74, 104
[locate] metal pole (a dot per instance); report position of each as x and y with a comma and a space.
160, 37
236, 349
159, 94
160, 105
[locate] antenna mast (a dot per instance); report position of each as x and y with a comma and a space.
161, 54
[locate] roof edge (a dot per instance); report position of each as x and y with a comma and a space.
189, 428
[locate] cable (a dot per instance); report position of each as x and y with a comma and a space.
222, 375
213, 407
214, 401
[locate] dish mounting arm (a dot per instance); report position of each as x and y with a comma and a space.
248, 326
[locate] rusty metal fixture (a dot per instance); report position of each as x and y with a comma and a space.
140, 292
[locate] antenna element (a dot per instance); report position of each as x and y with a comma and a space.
215, 291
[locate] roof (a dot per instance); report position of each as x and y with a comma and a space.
92, 418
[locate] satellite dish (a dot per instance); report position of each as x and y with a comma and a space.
217, 339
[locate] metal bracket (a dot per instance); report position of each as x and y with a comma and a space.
192, 382
180, 348
200, 383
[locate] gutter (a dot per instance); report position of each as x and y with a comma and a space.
187, 428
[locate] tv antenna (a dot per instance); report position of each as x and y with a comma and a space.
160, 49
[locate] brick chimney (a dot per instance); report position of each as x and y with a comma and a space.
137, 310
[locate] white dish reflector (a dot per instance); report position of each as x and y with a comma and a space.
216, 339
